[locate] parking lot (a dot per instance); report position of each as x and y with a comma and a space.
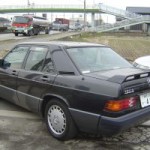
20, 129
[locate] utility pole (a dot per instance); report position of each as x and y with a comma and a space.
84, 14
28, 3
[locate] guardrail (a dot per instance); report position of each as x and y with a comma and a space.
124, 23
44, 6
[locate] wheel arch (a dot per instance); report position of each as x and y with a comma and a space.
49, 97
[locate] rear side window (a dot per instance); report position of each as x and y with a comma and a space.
16, 57
62, 62
36, 58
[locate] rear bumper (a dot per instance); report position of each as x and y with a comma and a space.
97, 124
111, 126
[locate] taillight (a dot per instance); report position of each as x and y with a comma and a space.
119, 105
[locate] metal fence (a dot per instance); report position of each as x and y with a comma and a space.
121, 24
44, 6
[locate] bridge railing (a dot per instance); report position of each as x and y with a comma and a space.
43, 6
124, 23
117, 11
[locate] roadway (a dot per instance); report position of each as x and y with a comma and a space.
21, 129
11, 36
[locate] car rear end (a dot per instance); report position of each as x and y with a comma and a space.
120, 92
132, 107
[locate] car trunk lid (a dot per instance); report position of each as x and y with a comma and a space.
120, 75
131, 79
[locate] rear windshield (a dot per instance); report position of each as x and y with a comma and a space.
93, 59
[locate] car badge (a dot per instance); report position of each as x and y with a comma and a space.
128, 91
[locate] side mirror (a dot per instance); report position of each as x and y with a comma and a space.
4, 64
1, 62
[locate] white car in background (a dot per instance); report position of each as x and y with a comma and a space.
76, 27
142, 62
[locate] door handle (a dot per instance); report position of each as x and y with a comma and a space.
14, 72
45, 78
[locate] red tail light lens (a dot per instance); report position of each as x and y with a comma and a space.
119, 105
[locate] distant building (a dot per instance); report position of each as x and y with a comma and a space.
140, 11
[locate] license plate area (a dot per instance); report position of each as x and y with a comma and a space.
19, 29
145, 100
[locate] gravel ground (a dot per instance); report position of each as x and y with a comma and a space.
29, 134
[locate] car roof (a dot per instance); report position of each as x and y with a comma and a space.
143, 60
64, 43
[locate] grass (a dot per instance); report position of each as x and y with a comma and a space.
130, 46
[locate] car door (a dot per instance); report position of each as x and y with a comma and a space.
35, 78
12, 64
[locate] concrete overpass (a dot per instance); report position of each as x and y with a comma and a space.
49, 9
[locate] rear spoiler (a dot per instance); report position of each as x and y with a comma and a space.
121, 79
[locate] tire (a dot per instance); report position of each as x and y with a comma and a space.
24, 34
36, 31
46, 31
30, 33
59, 121
61, 29
16, 34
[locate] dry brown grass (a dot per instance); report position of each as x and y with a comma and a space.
3, 53
130, 47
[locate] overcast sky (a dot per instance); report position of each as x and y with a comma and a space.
114, 3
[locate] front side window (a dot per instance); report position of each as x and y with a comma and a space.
16, 57
92, 59
36, 58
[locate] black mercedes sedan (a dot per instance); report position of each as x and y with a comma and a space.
75, 87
